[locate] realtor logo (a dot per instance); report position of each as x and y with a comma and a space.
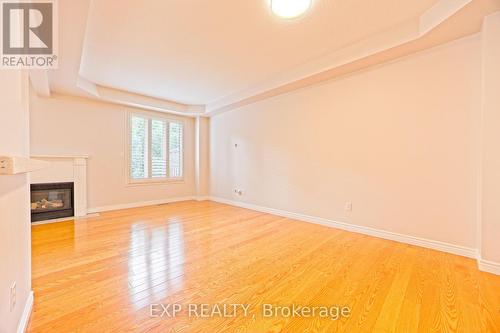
28, 34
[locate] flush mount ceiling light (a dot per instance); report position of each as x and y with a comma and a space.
290, 8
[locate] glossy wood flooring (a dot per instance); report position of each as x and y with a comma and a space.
102, 274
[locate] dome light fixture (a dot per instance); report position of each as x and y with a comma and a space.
290, 8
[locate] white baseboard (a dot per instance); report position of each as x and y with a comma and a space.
25, 317
138, 204
488, 266
427, 243
484, 265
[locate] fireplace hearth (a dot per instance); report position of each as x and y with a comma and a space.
51, 201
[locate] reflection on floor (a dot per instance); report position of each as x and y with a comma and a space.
119, 271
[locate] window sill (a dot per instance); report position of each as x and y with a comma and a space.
155, 182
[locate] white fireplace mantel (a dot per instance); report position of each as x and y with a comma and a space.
65, 168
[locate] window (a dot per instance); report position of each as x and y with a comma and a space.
155, 148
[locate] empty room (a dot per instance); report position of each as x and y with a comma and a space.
250, 166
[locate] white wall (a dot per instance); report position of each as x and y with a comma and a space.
398, 141
202, 156
490, 182
77, 126
15, 229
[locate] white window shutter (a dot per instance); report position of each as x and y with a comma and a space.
156, 148
139, 147
175, 150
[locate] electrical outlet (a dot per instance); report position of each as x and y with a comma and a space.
13, 295
238, 192
348, 206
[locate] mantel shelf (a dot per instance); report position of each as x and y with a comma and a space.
60, 156
13, 165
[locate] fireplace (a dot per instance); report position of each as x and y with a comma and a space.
51, 201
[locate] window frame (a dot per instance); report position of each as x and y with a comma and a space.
128, 137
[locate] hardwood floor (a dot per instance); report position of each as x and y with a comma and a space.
102, 274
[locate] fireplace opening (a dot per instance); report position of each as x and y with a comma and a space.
51, 201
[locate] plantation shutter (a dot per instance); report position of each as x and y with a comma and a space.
139, 147
156, 148
175, 150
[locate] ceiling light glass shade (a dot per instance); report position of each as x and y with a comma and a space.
290, 8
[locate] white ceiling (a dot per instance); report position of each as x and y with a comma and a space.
200, 52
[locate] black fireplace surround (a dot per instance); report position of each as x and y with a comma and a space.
52, 201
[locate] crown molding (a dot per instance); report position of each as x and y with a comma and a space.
446, 21
127, 98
